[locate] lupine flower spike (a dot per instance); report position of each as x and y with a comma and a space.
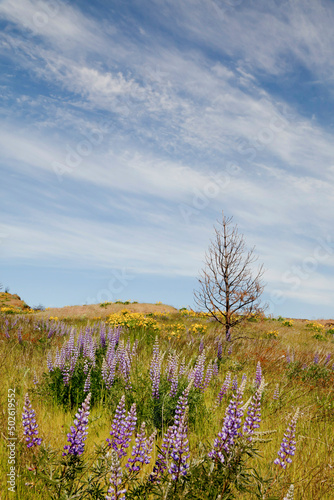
258, 375
235, 384
276, 392
141, 451
115, 492
175, 445
78, 434
288, 445
87, 383
253, 418
224, 389
230, 430
290, 493
29, 424
122, 428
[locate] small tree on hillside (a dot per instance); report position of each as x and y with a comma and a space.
228, 289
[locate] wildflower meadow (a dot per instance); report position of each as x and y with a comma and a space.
161, 406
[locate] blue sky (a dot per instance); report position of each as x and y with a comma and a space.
126, 127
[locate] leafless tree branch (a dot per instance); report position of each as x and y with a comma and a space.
228, 288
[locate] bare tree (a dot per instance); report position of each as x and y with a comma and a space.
228, 289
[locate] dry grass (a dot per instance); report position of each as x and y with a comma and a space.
96, 311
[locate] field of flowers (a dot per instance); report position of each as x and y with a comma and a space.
160, 406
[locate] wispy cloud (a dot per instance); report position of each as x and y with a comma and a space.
144, 130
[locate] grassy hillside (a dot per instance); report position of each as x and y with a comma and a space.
101, 311
12, 302
296, 359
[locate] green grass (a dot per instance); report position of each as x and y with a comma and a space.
310, 388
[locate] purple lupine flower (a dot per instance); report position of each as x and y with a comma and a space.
208, 377
180, 450
231, 425
73, 360
66, 374
328, 357
141, 450
62, 357
288, 445
117, 423
174, 440
182, 404
70, 344
220, 351
198, 373
316, 358
138, 451
111, 374
87, 382
201, 346
122, 428
155, 369
86, 344
35, 379
215, 368
229, 351
91, 352
86, 367
124, 364
49, 362
29, 424
78, 434
161, 463
51, 332
130, 351
173, 360
258, 375
19, 335
7, 330
253, 418
117, 333
276, 392
225, 387
111, 353
103, 339
115, 492
174, 385
104, 370
235, 384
